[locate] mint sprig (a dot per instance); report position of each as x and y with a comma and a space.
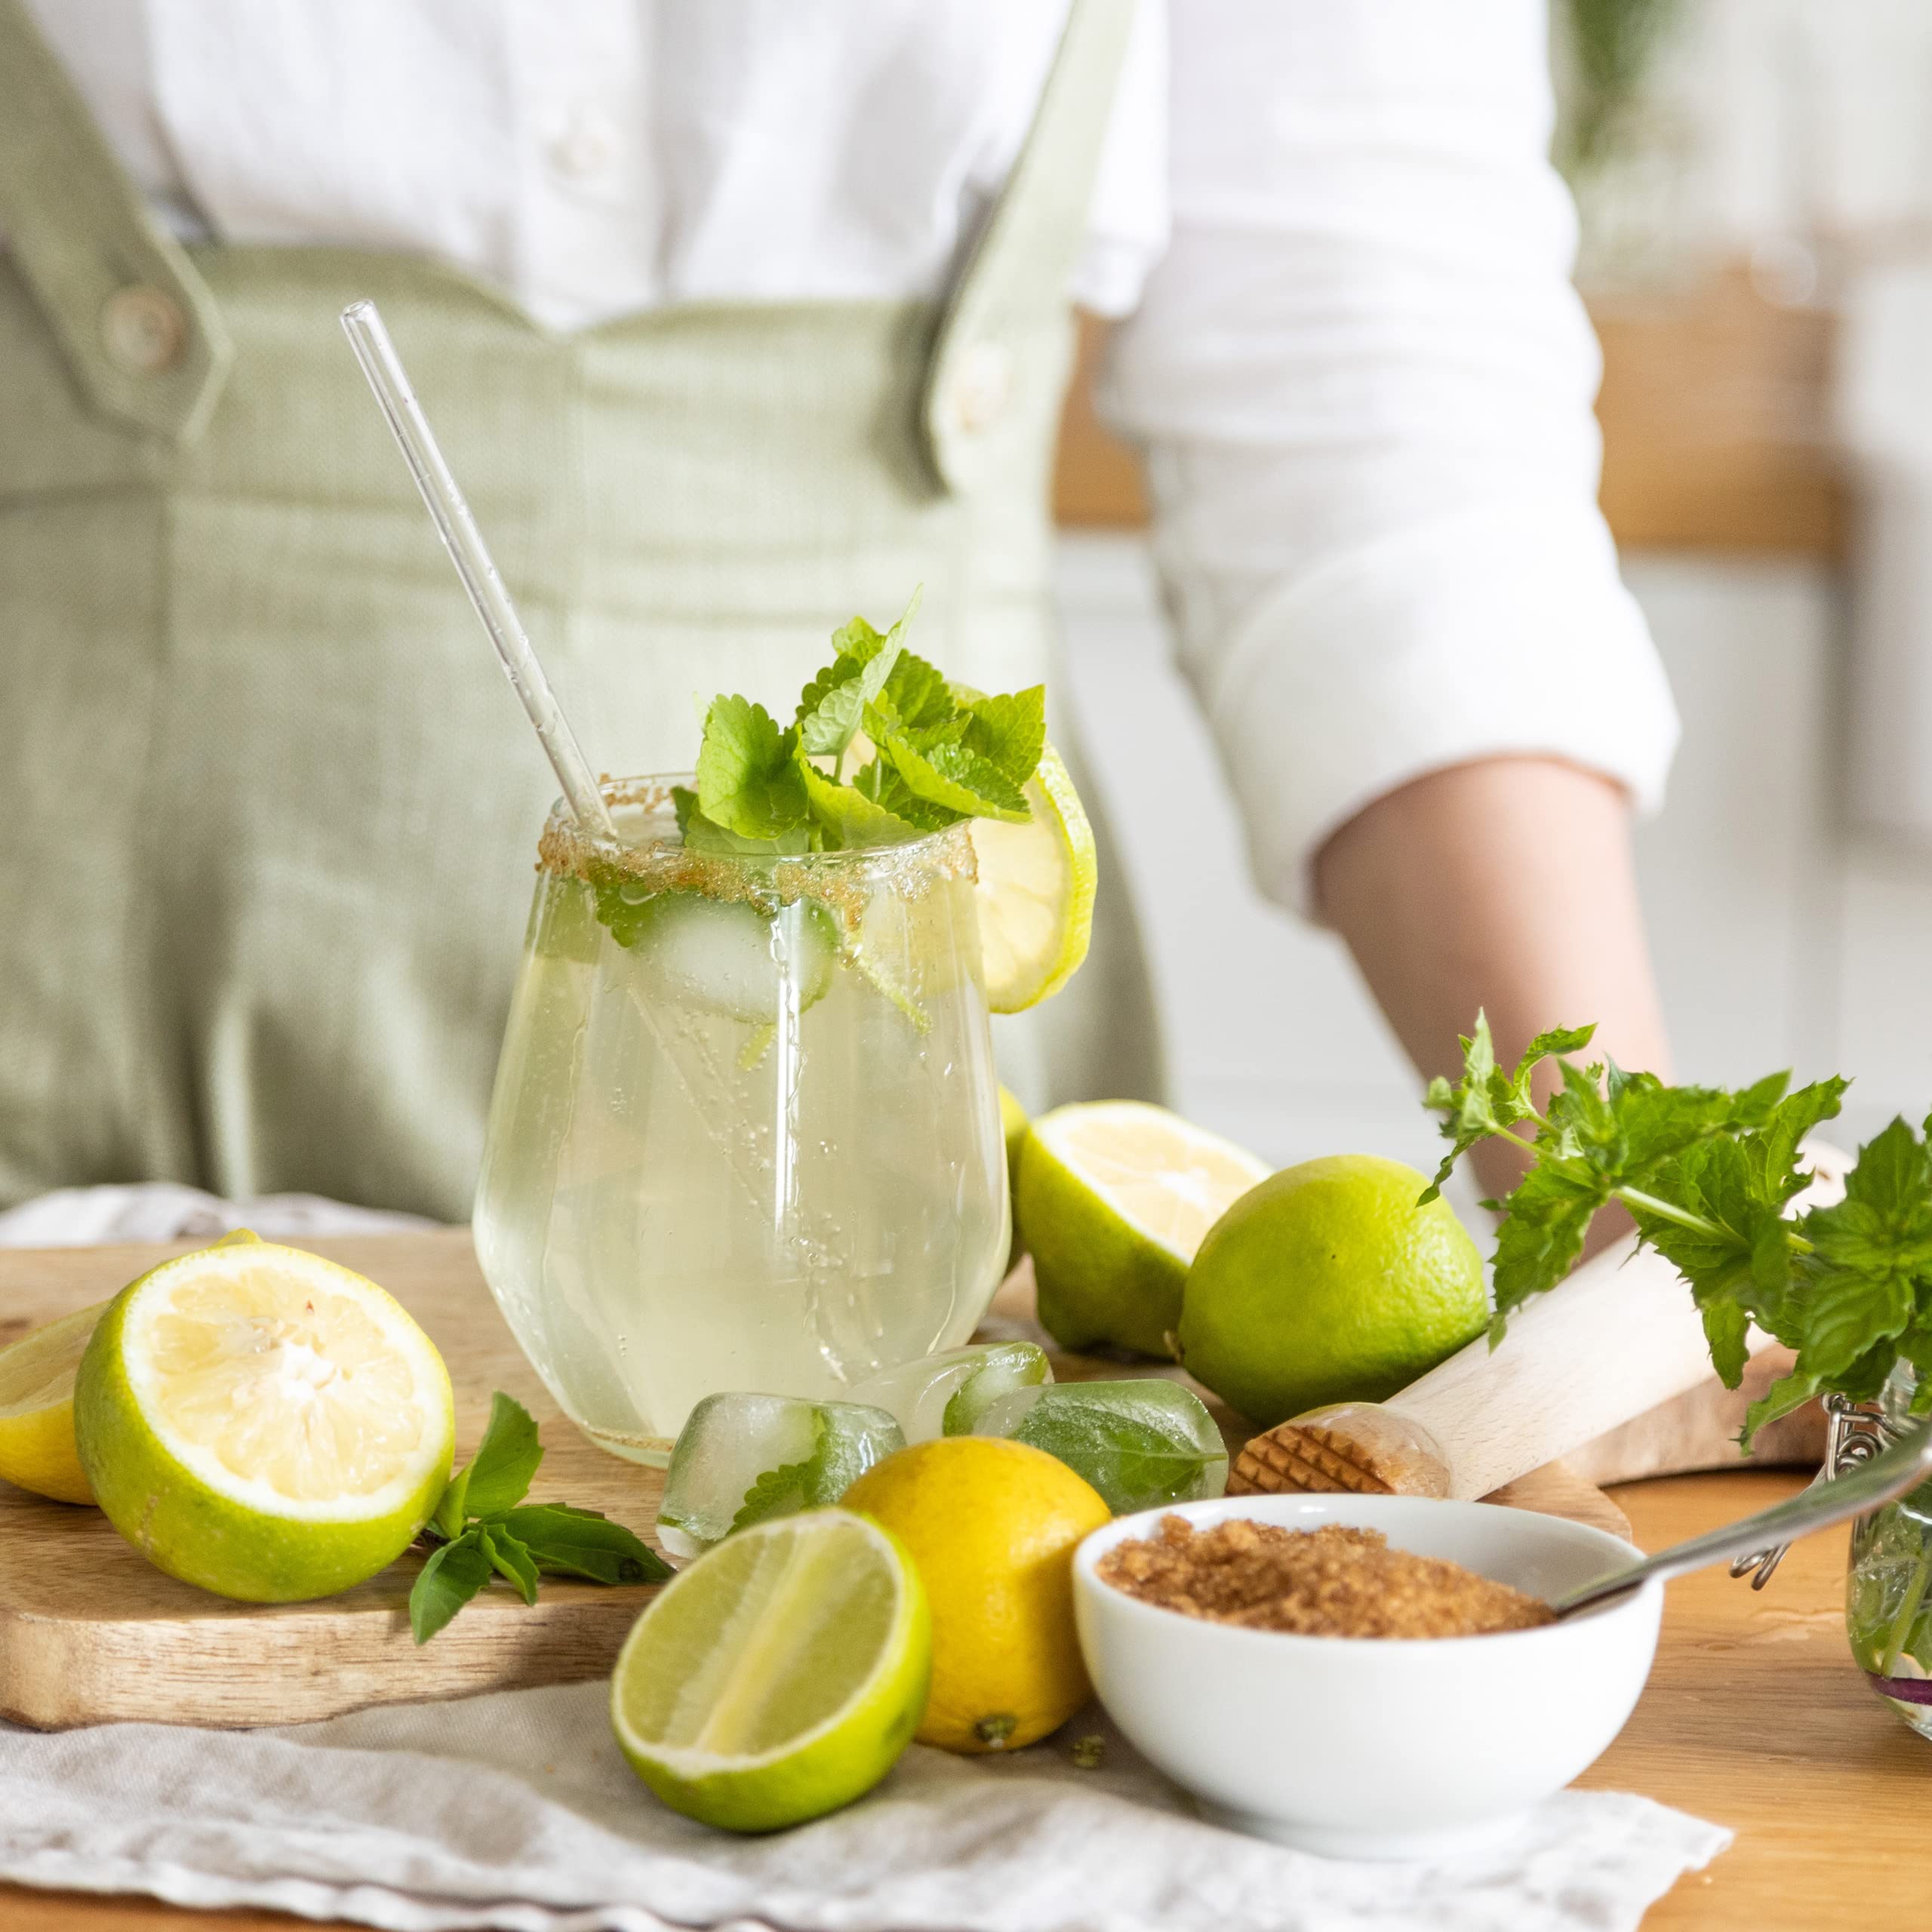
938, 756
1709, 1177
481, 1528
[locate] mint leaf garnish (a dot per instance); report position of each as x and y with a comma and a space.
847, 819
1009, 731
482, 1527
938, 756
748, 778
946, 774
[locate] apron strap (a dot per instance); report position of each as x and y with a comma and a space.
142, 335
1016, 276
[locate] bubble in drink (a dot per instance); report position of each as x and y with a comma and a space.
742, 1458
1143, 1444
947, 1393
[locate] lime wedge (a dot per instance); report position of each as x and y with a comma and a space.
37, 1449
1115, 1196
780, 1676
263, 1423
1035, 892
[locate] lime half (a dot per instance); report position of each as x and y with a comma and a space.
780, 1676
263, 1423
1115, 1196
1035, 892
37, 1449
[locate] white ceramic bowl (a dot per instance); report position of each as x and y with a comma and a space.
1362, 1747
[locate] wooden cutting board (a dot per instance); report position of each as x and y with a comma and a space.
91, 1633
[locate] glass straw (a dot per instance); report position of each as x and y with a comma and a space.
363, 325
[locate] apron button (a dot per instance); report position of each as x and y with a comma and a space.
982, 385
143, 329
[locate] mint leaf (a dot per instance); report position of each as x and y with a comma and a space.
748, 779
1138, 1455
916, 696
947, 774
834, 703
487, 1530
1542, 1234
510, 1557
1485, 1101
565, 1541
835, 1463
701, 835
1009, 731
881, 783
1791, 1391
848, 819
507, 1458
454, 1574
780, 1492
1871, 1263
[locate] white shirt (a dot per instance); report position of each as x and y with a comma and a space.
1350, 351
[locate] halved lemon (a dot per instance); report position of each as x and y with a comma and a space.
37, 1408
780, 1676
263, 1422
1035, 892
1115, 1196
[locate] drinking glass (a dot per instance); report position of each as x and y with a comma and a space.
746, 1130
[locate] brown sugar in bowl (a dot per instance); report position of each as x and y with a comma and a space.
1371, 1745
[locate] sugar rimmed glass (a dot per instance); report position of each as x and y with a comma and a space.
745, 1130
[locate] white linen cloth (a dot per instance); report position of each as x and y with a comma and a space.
1351, 350
166, 1210
516, 1811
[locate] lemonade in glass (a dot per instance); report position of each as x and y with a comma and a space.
745, 1132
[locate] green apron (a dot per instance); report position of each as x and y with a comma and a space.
269, 814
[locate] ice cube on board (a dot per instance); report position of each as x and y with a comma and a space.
1143, 1444
742, 1458
946, 1393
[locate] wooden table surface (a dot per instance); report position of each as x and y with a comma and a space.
1755, 1716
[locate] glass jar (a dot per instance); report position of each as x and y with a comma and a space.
1888, 1588
745, 1132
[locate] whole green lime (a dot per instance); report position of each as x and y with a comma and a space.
1327, 1283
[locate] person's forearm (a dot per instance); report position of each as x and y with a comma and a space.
1507, 885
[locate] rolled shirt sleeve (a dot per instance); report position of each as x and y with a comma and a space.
1364, 383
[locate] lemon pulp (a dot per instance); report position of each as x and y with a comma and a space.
37, 1450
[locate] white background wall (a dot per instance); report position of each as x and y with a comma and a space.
1780, 939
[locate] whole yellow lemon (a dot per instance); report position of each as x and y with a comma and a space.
992, 1526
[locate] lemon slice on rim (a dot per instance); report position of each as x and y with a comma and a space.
1035, 892
779, 1676
37, 1449
263, 1422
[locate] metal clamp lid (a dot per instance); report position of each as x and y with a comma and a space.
1855, 1433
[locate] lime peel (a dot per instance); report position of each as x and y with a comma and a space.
222, 1413
753, 1636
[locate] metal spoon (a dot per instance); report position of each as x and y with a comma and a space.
1886, 1477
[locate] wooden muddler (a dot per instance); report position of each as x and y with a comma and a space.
1620, 1335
